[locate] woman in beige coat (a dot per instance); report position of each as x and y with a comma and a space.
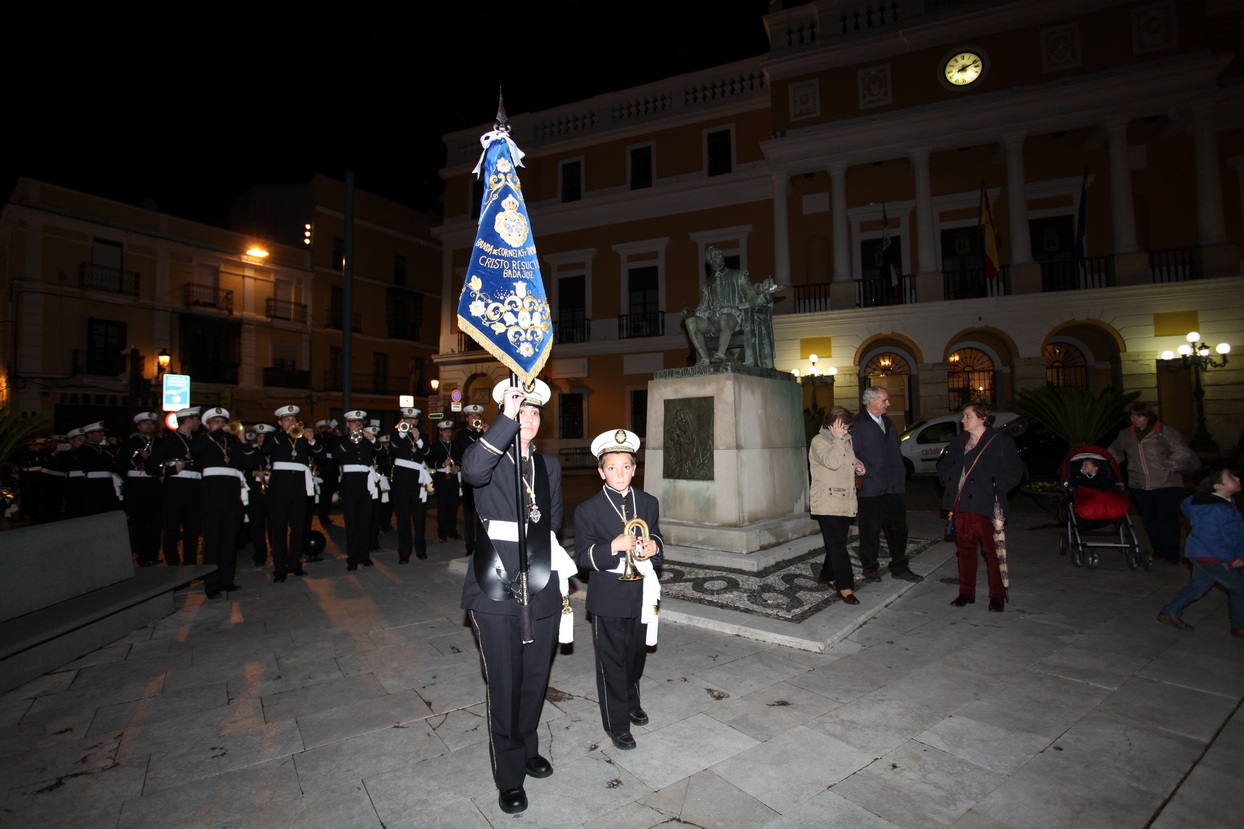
834, 468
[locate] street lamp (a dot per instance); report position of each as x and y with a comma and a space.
815, 377
163, 359
1197, 355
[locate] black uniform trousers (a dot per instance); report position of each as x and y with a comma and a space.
358, 513
101, 496
287, 513
182, 520
145, 509
409, 511
516, 676
446, 505
621, 654
221, 520
328, 471
258, 512
51, 496
888, 513
468, 518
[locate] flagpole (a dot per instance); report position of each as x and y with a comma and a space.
526, 625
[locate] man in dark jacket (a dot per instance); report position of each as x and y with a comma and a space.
883, 499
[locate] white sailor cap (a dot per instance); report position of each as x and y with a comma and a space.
97, 426
264, 428
141, 416
445, 424
412, 412
384, 438
320, 423
250, 435
192, 411
58, 438
371, 430
215, 412
474, 408
287, 411
355, 414
375, 421
73, 433
617, 441
539, 396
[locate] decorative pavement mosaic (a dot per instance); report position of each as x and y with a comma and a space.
787, 591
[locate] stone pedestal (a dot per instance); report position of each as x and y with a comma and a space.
726, 456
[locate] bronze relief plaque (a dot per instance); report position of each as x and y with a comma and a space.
689, 439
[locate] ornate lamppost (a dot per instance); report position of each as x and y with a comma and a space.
1197, 356
815, 377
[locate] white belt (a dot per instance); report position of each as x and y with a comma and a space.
288, 466
47, 471
651, 600
76, 473
34, 469
373, 477
562, 563
136, 473
230, 472
189, 475
116, 481
408, 464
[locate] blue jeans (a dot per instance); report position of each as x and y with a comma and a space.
1205, 574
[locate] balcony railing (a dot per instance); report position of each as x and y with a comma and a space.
287, 378
1070, 275
465, 343
572, 331
104, 278
335, 316
366, 383
876, 291
89, 362
973, 284
207, 296
1175, 264
403, 330
211, 372
283, 309
811, 298
643, 324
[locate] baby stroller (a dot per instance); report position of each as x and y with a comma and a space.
1094, 501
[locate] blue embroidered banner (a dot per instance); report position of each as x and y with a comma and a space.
503, 305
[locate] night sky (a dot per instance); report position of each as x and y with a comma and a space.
191, 104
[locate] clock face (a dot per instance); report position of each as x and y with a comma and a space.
964, 68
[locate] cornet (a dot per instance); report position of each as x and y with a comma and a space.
296, 430
629, 571
234, 427
477, 423
356, 437
403, 428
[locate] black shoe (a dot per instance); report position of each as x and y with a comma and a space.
871, 575
277, 578
622, 740
539, 767
962, 600
512, 801
367, 562
314, 558
232, 587
907, 575
298, 571
213, 594
441, 540
260, 562
421, 555
455, 536
847, 598
351, 567
639, 717
404, 560
997, 605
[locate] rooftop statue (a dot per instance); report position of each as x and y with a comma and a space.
730, 303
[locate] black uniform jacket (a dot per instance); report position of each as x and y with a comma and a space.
174, 446
402, 447
597, 522
217, 449
346, 452
487, 468
279, 447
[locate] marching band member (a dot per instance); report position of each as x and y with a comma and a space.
444, 458
102, 489
354, 454
220, 460
143, 503
171, 459
75, 476
290, 450
257, 510
407, 454
473, 431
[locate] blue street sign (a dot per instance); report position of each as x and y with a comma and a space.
176, 392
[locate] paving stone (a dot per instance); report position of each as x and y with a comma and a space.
209, 801
355, 759
999, 749
792, 767
343, 722
680, 750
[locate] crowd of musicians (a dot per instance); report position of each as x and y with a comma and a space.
211, 480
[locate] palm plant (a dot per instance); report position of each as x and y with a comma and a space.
1078, 417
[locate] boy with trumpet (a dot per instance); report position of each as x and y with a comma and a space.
623, 591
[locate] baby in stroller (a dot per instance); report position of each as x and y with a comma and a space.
1095, 490
1094, 475
1096, 500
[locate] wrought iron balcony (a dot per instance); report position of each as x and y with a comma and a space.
287, 378
211, 372
810, 298
972, 284
283, 309
366, 383
1175, 264
94, 362
465, 343
335, 316
572, 331
402, 329
643, 324
104, 278
195, 295
1070, 275
877, 291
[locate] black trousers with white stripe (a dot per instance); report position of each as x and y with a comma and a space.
517, 677
620, 657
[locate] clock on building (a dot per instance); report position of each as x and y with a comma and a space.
963, 68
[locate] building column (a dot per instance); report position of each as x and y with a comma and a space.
1122, 212
926, 250
781, 229
1211, 229
838, 208
1017, 199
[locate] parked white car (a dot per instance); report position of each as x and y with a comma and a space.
923, 442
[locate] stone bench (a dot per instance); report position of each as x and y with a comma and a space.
69, 587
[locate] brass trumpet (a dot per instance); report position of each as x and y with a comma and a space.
234, 427
629, 571
296, 430
403, 428
451, 468
477, 423
356, 437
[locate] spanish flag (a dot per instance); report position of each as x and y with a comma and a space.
990, 238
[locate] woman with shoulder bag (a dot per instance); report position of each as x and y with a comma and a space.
1157, 459
834, 471
981, 467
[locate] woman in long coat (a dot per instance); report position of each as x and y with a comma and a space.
834, 468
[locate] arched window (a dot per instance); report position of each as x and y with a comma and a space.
970, 378
1065, 367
